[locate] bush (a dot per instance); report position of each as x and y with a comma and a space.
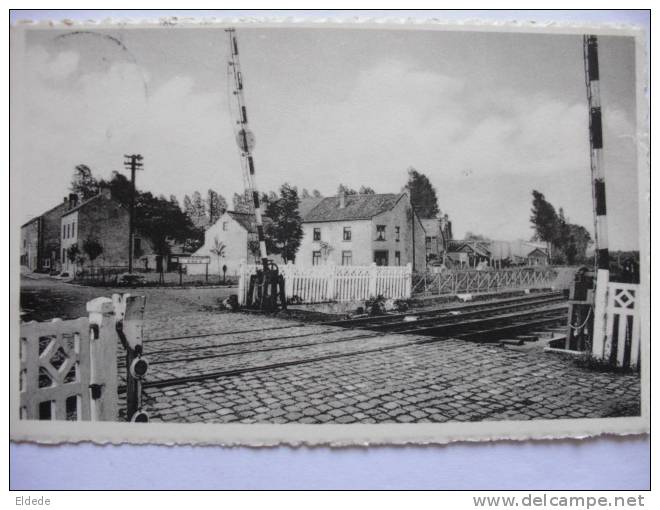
375, 305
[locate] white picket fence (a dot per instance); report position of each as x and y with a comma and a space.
617, 334
317, 284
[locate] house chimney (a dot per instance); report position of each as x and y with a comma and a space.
342, 200
73, 200
105, 191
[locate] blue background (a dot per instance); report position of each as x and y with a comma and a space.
601, 463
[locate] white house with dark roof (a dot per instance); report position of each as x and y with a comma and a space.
359, 230
234, 230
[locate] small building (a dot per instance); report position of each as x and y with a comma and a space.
518, 253
537, 257
106, 221
358, 230
229, 241
469, 254
438, 235
40, 240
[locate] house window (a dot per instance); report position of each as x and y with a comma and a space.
224, 225
346, 258
380, 232
137, 247
73, 229
63, 231
428, 243
347, 233
317, 234
397, 234
316, 258
397, 258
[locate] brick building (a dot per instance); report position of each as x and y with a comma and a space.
105, 220
40, 240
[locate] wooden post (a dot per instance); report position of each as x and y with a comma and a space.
330, 288
600, 313
372, 279
408, 277
130, 311
180, 274
103, 360
241, 283
207, 273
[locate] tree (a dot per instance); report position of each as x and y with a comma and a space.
366, 190
93, 249
121, 188
83, 183
346, 190
284, 232
74, 256
469, 236
316, 194
544, 220
216, 205
174, 201
219, 251
305, 194
243, 202
422, 194
163, 221
188, 207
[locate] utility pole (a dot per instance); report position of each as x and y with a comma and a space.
133, 162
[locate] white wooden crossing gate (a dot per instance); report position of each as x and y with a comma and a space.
68, 368
55, 370
329, 282
618, 340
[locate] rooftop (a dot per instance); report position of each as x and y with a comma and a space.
357, 207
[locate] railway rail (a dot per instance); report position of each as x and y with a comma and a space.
485, 321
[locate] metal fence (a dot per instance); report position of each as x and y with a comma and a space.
474, 281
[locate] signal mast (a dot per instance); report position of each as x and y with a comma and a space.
268, 283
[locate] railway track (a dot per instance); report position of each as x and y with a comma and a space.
487, 321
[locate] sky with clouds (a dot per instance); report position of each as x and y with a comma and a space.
487, 116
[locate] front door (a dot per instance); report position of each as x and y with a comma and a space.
380, 257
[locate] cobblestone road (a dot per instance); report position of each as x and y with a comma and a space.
449, 380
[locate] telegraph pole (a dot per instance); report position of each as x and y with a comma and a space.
133, 162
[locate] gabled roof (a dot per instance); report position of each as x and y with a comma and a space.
247, 220
52, 209
82, 204
357, 207
537, 251
307, 204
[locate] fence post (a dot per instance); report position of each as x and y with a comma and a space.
130, 311
372, 279
330, 288
241, 283
408, 285
103, 360
600, 312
